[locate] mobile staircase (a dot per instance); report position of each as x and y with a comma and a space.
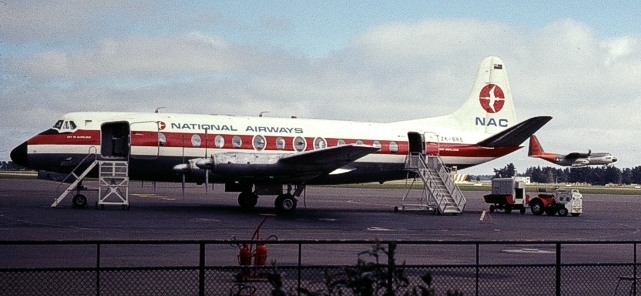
440, 194
113, 183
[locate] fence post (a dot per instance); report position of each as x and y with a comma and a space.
558, 269
300, 265
478, 261
390, 268
98, 269
201, 273
634, 283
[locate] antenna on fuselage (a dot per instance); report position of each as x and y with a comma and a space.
261, 113
156, 111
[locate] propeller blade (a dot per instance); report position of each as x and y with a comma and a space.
206, 182
183, 185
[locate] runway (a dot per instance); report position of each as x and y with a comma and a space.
325, 213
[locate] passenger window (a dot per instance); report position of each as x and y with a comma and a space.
378, 145
319, 143
236, 142
299, 144
196, 140
341, 142
259, 142
280, 143
393, 147
219, 141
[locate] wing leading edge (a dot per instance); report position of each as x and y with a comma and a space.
329, 159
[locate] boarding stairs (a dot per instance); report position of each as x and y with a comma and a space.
113, 183
439, 192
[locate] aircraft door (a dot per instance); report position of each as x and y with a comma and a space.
416, 143
431, 144
145, 139
416, 149
114, 140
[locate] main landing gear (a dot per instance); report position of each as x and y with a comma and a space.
285, 203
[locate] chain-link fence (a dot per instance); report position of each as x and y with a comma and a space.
213, 268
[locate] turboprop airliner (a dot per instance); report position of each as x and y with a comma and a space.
280, 156
574, 159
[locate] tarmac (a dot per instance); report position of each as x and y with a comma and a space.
163, 212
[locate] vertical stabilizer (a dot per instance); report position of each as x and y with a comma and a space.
489, 108
535, 147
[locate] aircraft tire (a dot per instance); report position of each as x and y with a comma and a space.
79, 201
285, 204
247, 200
536, 206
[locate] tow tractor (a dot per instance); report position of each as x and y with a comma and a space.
509, 193
561, 201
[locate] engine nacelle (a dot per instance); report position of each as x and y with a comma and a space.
231, 164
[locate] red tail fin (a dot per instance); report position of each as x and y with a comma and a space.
535, 147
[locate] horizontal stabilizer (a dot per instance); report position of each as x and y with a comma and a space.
516, 135
329, 158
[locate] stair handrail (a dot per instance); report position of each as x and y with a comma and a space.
89, 154
439, 197
455, 191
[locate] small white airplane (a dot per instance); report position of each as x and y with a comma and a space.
262, 155
574, 159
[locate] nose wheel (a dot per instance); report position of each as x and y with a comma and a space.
79, 201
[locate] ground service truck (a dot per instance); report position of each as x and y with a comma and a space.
509, 193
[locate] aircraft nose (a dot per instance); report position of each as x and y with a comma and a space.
614, 159
19, 154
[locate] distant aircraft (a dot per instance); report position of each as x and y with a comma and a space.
273, 156
574, 159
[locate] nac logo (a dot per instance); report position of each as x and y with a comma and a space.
492, 98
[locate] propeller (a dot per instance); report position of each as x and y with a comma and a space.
182, 169
206, 164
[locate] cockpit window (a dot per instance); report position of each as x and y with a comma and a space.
65, 125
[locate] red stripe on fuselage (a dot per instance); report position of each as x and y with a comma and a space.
79, 137
150, 139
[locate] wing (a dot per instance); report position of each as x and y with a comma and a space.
575, 155
328, 159
278, 167
517, 134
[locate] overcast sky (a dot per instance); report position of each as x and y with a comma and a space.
354, 60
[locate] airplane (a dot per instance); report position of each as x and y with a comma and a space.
574, 159
273, 156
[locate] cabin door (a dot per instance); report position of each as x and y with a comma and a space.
431, 144
416, 147
114, 140
146, 139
